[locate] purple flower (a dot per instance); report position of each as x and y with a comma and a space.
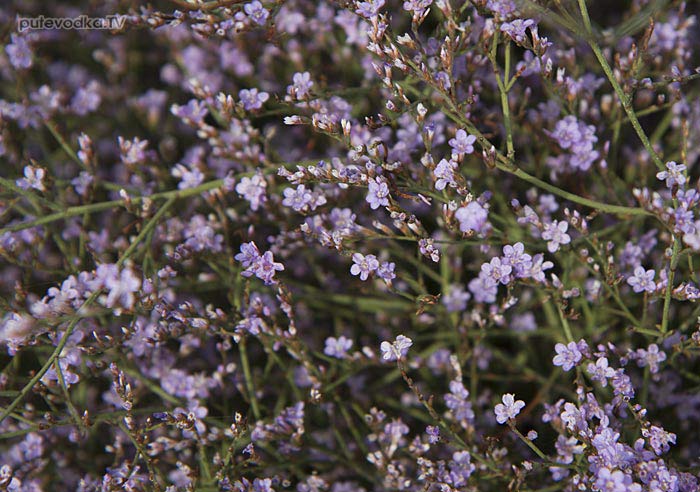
33, 178
369, 9
600, 371
192, 113
496, 270
299, 199
608, 480
396, 349
462, 143
337, 347
642, 280
252, 99
555, 235
457, 400
301, 85
567, 356
516, 257
445, 174
249, 254
253, 190
418, 7
517, 29
509, 409
455, 300
377, 193
673, 174
263, 267
256, 12
19, 52
433, 433
473, 217
386, 271
364, 265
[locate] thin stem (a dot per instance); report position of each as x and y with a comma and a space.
624, 98
82, 313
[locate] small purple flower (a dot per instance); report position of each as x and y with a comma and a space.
497, 270
433, 433
301, 85
256, 12
249, 254
455, 300
516, 257
555, 235
418, 7
608, 480
253, 190
396, 349
192, 113
252, 99
445, 174
462, 143
19, 52
386, 271
600, 371
337, 347
517, 29
33, 178
264, 268
567, 355
370, 8
509, 409
642, 280
673, 174
377, 193
299, 199
473, 217
364, 265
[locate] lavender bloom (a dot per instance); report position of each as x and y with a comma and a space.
567, 356
673, 174
455, 300
253, 190
33, 178
462, 143
364, 265
396, 349
651, 358
555, 235
249, 254
483, 288
301, 85
337, 347
377, 193
19, 52
516, 257
608, 480
192, 113
538, 267
132, 151
659, 439
252, 99
642, 280
445, 174
299, 199
82, 182
190, 177
433, 433
418, 7
264, 268
256, 12
517, 29
386, 271
370, 8
457, 400
496, 270
86, 99
600, 371
509, 409
473, 217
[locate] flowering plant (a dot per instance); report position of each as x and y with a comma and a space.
344, 245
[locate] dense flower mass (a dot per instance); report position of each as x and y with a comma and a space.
321, 245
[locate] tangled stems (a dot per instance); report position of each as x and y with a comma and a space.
150, 225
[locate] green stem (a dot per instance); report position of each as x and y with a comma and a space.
625, 100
